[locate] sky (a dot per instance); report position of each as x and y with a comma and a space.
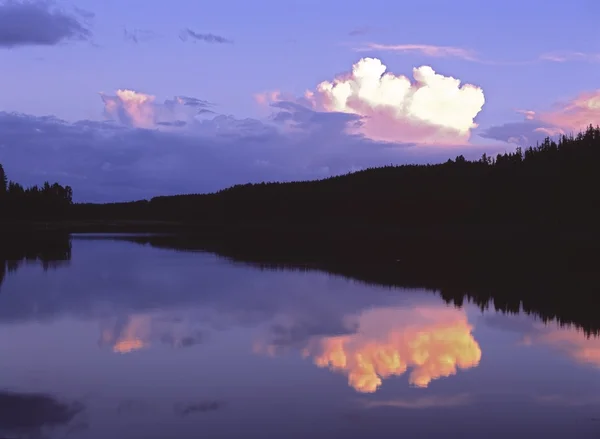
130, 100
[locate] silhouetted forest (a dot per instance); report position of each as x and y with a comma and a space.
554, 184
551, 186
46, 202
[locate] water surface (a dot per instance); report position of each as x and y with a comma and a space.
126, 340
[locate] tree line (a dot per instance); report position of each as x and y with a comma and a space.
555, 285
46, 202
552, 183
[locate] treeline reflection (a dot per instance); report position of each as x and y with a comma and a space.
50, 250
551, 284
532, 284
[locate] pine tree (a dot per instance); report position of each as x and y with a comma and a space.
3, 181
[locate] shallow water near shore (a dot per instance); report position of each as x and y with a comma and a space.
118, 339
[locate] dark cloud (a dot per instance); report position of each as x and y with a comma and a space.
359, 31
526, 133
37, 23
179, 153
206, 38
177, 123
199, 106
194, 102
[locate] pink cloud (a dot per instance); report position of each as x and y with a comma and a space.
568, 117
570, 56
434, 109
268, 97
529, 114
425, 49
140, 110
576, 114
139, 107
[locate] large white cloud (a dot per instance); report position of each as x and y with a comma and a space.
434, 109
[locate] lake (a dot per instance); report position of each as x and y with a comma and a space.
109, 338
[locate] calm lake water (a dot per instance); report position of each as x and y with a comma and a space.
130, 341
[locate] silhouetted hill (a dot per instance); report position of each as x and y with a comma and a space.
552, 185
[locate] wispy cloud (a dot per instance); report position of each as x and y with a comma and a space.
570, 56
424, 402
188, 34
425, 49
438, 51
359, 31
138, 35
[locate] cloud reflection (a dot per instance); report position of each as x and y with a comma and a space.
139, 331
433, 341
566, 340
424, 402
572, 342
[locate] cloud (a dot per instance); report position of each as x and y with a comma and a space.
436, 51
423, 402
433, 341
148, 149
575, 114
570, 56
140, 110
424, 49
567, 117
525, 133
359, 31
435, 109
37, 23
203, 37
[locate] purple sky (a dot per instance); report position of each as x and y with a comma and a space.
130, 99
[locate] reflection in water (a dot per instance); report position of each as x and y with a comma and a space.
52, 250
24, 413
131, 298
139, 331
131, 336
432, 341
572, 342
424, 402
